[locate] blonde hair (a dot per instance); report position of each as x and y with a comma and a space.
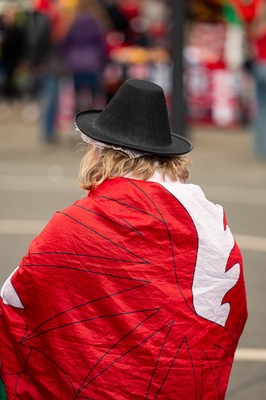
96, 168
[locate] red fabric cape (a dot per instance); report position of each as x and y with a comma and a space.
105, 304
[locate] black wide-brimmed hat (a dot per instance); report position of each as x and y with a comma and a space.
136, 118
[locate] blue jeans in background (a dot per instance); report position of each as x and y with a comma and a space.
43, 89
50, 93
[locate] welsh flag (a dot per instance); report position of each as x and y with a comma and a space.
134, 292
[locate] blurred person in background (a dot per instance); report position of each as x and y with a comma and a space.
258, 44
116, 38
118, 20
253, 15
136, 32
84, 52
43, 31
204, 59
157, 20
11, 45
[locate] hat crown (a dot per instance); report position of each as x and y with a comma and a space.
137, 114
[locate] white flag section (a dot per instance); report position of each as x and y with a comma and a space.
211, 280
9, 294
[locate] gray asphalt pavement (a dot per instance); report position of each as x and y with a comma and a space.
38, 179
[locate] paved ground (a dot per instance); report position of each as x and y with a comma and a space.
36, 180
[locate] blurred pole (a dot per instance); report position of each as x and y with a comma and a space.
178, 120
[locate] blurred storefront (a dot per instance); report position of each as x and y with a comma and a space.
218, 89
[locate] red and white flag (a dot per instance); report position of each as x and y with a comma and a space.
134, 292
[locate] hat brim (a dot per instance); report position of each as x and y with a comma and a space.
85, 123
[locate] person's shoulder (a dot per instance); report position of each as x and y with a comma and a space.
62, 216
59, 228
197, 193
189, 194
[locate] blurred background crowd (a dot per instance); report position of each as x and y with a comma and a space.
58, 57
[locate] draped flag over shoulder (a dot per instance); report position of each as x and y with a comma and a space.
134, 292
